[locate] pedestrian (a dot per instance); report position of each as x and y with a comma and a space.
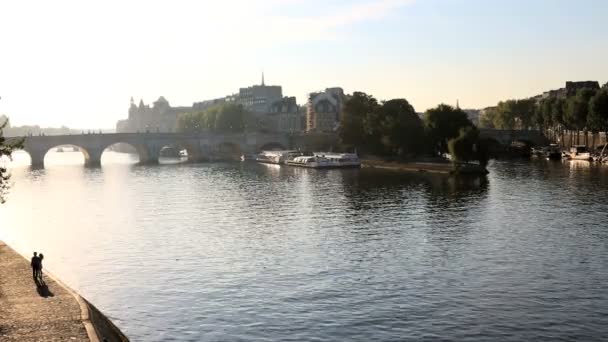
34, 263
40, 267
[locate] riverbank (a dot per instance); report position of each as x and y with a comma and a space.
446, 168
52, 312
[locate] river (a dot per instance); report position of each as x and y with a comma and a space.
251, 252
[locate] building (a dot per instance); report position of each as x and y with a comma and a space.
324, 110
160, 117
284, 116
268, 109
569, 90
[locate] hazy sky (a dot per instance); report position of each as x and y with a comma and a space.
77, 63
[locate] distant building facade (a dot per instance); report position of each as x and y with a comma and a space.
160, 117
324, 110
284, 116
569, 90
268, 109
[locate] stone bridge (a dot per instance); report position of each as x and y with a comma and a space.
506, 137
200, 146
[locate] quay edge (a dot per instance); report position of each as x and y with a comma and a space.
55, 312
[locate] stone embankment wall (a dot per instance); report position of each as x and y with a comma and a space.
45, 311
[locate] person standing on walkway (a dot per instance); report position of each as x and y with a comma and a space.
34, 263
40, 267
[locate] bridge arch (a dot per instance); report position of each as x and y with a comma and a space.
125, 148
40, 158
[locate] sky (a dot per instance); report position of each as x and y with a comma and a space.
78, 63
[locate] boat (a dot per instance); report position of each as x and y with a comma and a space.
313, 162
170, 152
579, 152
325, 160
248, 157
276, 157
553, 152
538, 151
340, 160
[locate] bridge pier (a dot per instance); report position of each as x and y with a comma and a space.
195, 153
148, 154
37, 157
92, 157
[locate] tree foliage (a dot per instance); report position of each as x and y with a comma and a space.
359, 107
443, 123
399, 128
226, 117
6, 149
387, 128
393, 128
598, 111
577, 109
512, 114
463, 147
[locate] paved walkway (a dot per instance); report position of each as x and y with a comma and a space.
31, 313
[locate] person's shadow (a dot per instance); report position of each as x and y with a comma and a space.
42, 288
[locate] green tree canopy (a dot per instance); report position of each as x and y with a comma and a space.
577, 109
399, 128
357, 109
6, 149
461, 147
443, 123
228, 117
598, 111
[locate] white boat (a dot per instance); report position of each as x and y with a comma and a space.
324, 160
340, 160
313, 162
275, 157
579, 152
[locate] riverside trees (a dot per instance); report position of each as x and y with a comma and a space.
390, 128
585, 110
6, 149
228, 117
393, 129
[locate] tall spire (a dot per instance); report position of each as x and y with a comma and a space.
262, 78
457, 104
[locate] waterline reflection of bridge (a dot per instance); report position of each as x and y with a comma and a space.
199, 146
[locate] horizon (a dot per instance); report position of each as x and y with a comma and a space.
74, 69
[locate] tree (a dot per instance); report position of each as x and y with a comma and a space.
228, 117
505, 115
357, 109
190, 122
577, 110
6, 149
598, 111
443, 123
399, 128
524, 112
487, 118
463, 147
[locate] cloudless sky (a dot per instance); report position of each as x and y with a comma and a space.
77, 63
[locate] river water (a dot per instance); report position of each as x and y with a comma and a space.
251, 252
